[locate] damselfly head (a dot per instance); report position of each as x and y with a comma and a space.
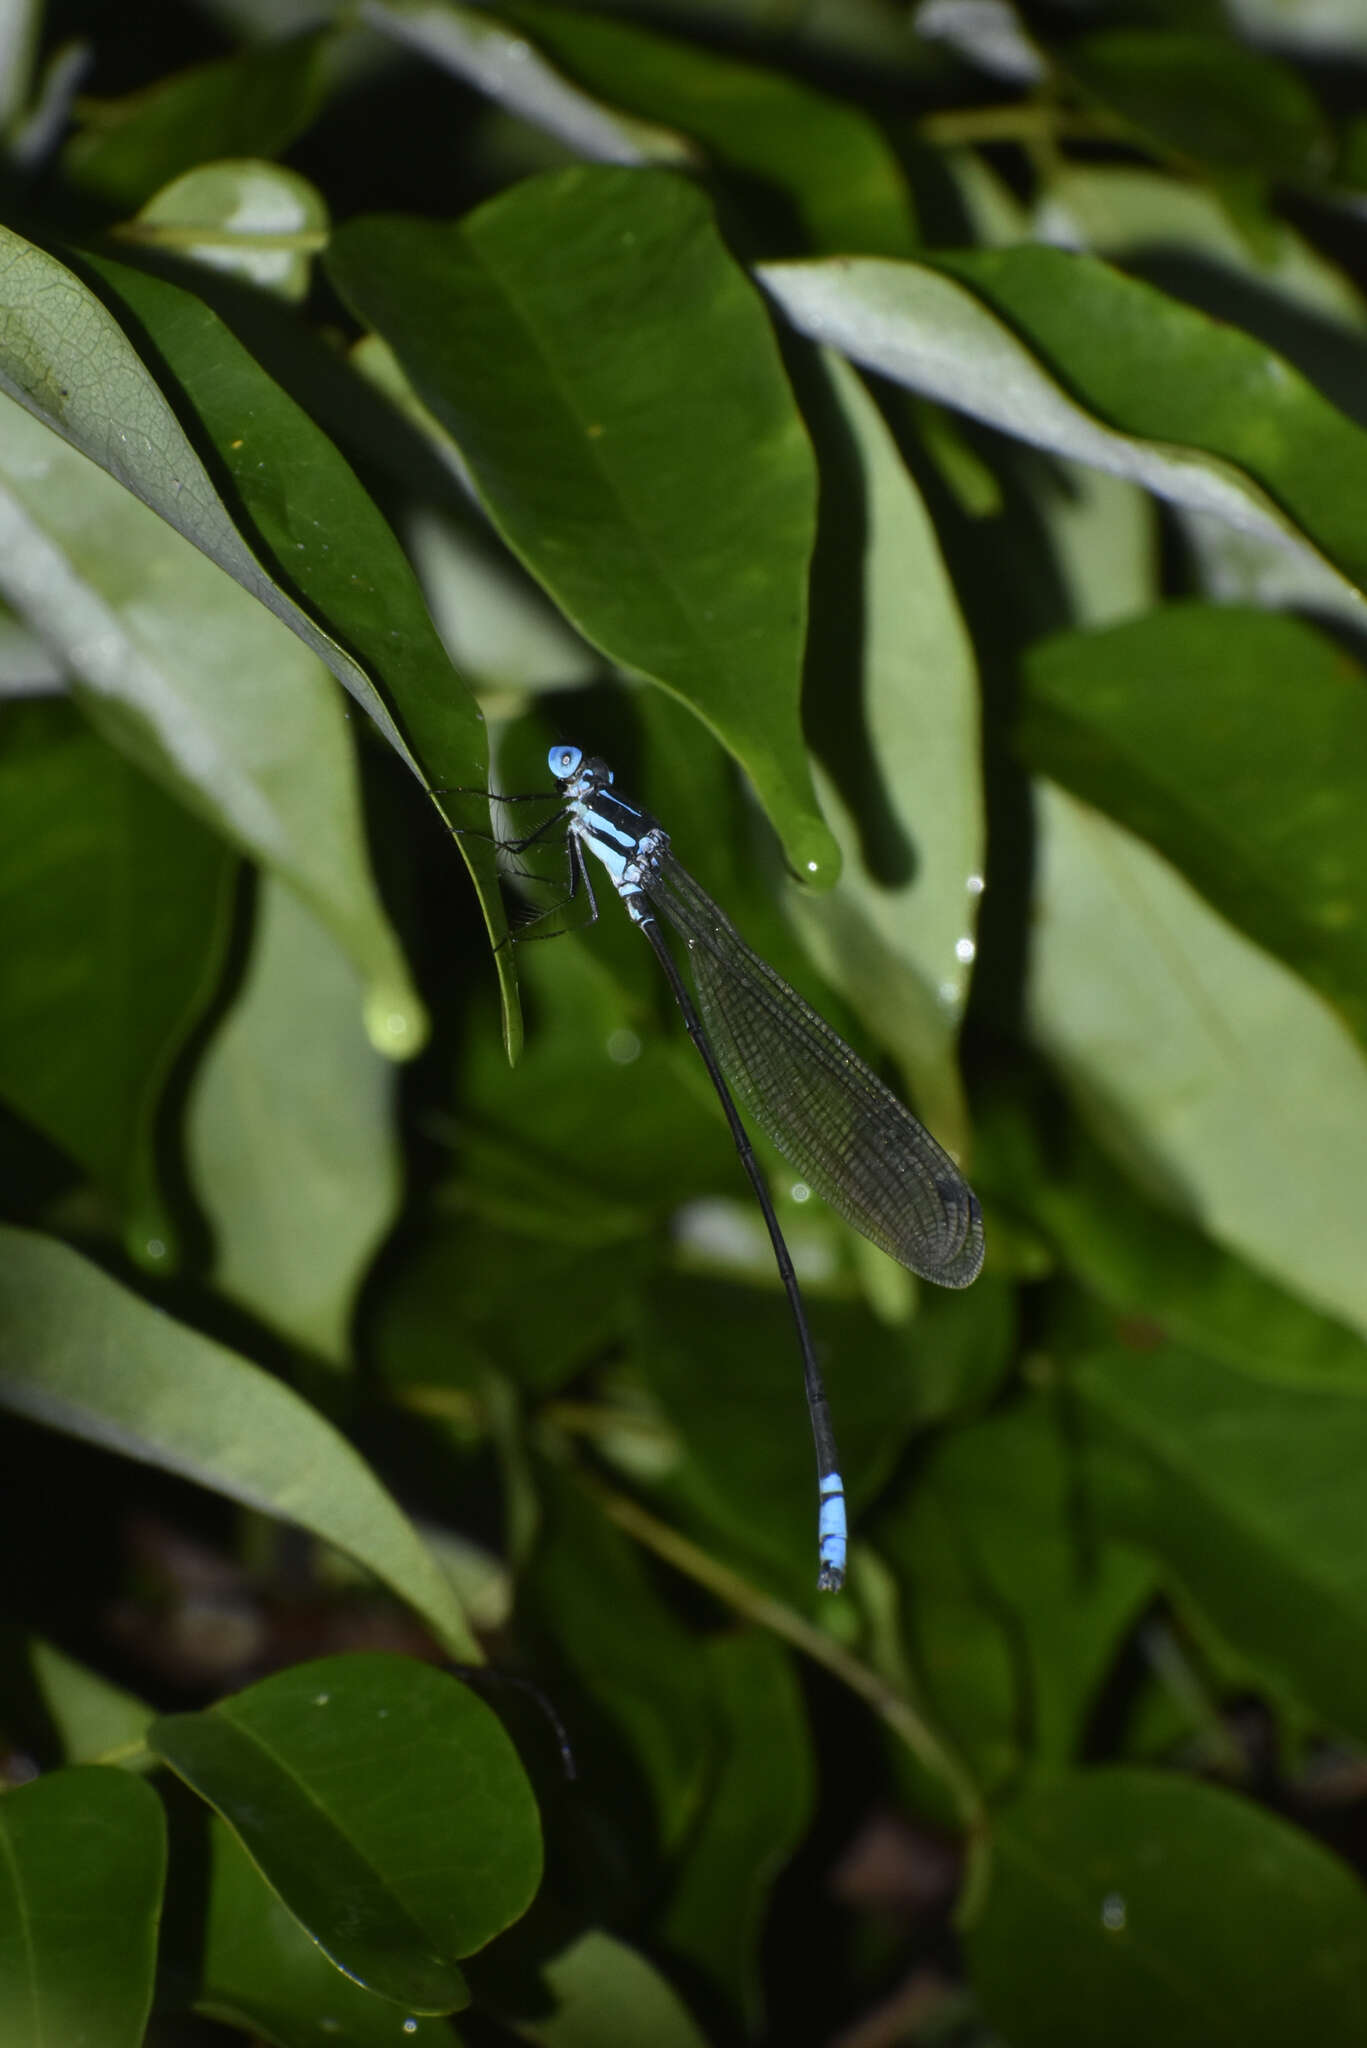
563, 762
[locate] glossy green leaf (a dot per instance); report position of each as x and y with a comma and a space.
96, 1722
897, 936
1223, 1082
759, 1808
263, 1972
115, 904
476, 46
1249, 1493
1062, 352
1206, 99
82, 1860
260, 222
384, 1804
291, 1134
80, 1353
251, 104
629, 428
824, 157
313, 522
185, 672
323, 537
1133, 1907
1135, 719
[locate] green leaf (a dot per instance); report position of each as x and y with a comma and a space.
1159, 1274
178, 664
81, 1354
1060, 351
1221, 1080
999, 1582
724, 1363
82, 1859
263, 1972
826, 159
1249, 1492
290, 1134
309, 516
631, 433
322, 536
1133, 1907
1141, 218
384, 1804
1204, 99
251, 104
477, 47
897, 935
97, 1722
1131, 719
255, 221
115, 903
759, 1808
589, 1591
608, 1996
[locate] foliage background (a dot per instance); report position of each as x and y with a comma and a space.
911, 451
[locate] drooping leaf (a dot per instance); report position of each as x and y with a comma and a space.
290, 1134
115, 904
80, 1353
383, 1803
82, 1860
478, 47
612, 383
322, 536
205, 691
1058, 350
901, 739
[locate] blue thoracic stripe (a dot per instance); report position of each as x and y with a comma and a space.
849, 1137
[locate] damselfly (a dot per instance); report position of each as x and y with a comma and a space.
848, 1136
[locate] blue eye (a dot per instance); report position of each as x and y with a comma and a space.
564, 761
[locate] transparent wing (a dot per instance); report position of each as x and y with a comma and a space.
826, 1111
